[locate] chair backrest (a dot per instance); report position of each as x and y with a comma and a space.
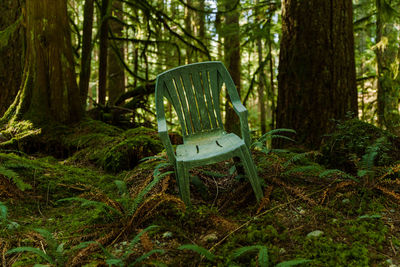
194, 92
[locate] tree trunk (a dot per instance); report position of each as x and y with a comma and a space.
261, 79
49, 91
316, 81
386, 56
102, 87
188, 28
11, 53
116, 71
86, 50
232, 61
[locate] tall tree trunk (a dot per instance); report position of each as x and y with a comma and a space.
317, 81
86, 50
232, 60
116, 71
49, 91
261, 78
386, 55
188, 28
11, 52
102, 87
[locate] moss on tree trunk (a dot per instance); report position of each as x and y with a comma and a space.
49, 91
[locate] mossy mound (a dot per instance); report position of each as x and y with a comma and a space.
352, 139
111, 148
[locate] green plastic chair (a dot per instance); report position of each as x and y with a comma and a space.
193, 90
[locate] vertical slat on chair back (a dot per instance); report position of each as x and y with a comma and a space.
194, 92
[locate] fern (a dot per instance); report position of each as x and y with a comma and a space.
13, 176
55, 253
309, 169
263, 259
91, 203
113, 260
367, 161
3, 213
198, 249
36, 251
292, 263
298, 157
139, 198
331, 172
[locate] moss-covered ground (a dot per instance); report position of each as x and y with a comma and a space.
95, 207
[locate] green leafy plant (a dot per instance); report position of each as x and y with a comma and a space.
261, 143
13, 176
198, 249
3, 218
262, 256
125, 259
54, 255
129, 205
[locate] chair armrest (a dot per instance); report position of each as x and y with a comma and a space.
163, 133
238, 107
242, 113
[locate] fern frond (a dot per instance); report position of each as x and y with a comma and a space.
32, 250
309, 169
336, 172
292, 263
139, 198
198, 249
91, 203
298, 157
14, 177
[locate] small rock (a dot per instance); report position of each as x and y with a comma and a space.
392, 210
167, 234
302, 212
210, 238
316, 233
282, 251
345, 201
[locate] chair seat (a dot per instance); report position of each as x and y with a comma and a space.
208, 147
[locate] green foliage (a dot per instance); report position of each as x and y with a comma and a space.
125, 258
110, 147
129, 204
13, 176
261, 143
355, 140
263, 259
4, 222
198, 249
55, 253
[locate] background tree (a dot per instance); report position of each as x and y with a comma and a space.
231, 34
317, 81
116, 52
49, 91
11, 52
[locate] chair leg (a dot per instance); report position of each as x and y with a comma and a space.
183, 183
251, 172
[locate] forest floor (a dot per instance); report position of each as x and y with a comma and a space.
76, 212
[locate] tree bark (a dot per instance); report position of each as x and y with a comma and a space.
231, 34
388, 85
49, 91
11, 53
102, 87
316, 81
86, 51
116, 72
